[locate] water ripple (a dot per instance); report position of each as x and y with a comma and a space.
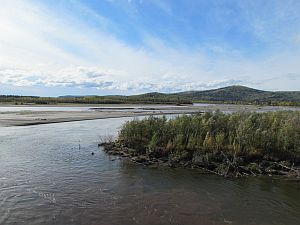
46, 179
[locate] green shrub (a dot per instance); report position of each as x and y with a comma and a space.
272, 134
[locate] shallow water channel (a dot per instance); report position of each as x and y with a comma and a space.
49, 176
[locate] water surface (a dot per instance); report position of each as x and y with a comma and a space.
48, 176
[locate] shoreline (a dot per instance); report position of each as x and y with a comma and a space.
228, 169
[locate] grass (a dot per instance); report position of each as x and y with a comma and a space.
251, 136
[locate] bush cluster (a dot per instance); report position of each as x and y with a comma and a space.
250, 135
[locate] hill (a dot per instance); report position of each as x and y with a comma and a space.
231, 94
242, 94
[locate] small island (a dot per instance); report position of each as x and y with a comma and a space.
229, 145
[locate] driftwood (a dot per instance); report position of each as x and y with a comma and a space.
284, 166
290, 169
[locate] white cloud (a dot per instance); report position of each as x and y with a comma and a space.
37, 42
39, 46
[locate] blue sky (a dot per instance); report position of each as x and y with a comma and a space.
53, 47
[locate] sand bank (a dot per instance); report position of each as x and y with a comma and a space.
35, 118
27, 117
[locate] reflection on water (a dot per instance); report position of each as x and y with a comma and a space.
45, 178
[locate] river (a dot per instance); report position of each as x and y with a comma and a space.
49, 176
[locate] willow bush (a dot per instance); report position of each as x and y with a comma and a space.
272, 134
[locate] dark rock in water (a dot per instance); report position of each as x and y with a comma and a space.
92, 153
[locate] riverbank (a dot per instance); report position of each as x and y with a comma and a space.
217, 163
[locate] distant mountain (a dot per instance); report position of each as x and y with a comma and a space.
231, 94
242, 94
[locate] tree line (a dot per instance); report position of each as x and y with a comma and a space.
11, 99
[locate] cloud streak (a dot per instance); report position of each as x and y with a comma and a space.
59, 49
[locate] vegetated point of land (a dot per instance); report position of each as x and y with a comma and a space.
236, 144
230, 94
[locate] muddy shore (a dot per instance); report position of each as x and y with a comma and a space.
217, 163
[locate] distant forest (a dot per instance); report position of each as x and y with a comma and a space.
94, 100
231, 95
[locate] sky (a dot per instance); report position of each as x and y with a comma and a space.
103, 47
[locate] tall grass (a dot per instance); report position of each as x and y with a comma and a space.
250, 135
